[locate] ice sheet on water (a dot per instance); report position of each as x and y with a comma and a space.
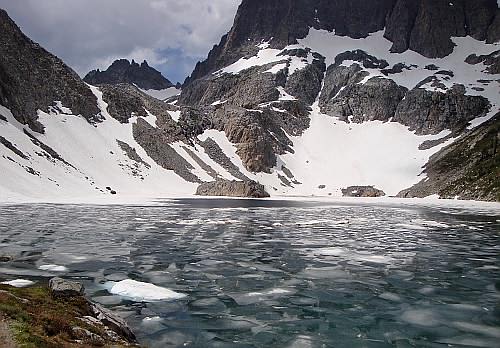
143, 292
324, 272
421, 317
53, 268
244, 299
490, 331
389, 296
19, 283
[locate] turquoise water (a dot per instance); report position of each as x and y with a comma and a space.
275, 274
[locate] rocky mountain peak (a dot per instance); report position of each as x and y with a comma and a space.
424, 26
33, 79
124, 71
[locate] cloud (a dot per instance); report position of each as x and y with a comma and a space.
172, 35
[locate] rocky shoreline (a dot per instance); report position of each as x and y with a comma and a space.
58, 315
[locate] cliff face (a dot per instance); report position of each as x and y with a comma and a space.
352, 81
467, 169
424, 26
123, 71
33, 79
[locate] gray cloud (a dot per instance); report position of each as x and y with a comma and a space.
172, 35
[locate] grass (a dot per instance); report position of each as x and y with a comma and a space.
38, 320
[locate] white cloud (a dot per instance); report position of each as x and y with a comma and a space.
90, 34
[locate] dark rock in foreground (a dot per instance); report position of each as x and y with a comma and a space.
228, 188
362, 191
65, 288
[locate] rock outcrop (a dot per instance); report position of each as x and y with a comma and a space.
33, 79
65, 288
226, 188
429, 112
377, 99
60, 316
362, 191
427, 26
424, 26
123, 71
492, 61
469, 168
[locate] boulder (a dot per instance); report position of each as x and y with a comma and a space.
65, 288
362, 191
228, 188
112, 321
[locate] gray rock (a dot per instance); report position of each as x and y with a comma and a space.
214, 151
467, 169
427, 26
132, 153
367, 61
65, 288
32, 79
494, 30
123, 71
284, 22
87, 336
429, 112
492, 61
155, 142
228, 188
113, 321
362, 191
6, 258
338, 77
305, 84
377, 99
12, 148
396, 69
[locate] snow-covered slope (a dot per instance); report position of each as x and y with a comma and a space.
90, 160
313, 124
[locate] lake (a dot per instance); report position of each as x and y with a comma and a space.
274, 273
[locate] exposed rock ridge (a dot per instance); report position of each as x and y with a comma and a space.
424, 26
33, 79
123, 71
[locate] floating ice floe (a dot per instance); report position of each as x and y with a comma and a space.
19, 283
244, 299
143, 292
53, 268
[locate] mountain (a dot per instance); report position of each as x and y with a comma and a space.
331, 80
305, 97
32, 79
424, 26
123, 71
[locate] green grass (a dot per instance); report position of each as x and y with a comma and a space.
43, 321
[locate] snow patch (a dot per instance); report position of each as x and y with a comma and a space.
19, 283
53, 268
144, 292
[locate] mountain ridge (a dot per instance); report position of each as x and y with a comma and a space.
407, 23
125, 71
300, 116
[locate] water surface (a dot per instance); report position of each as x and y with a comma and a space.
275, 274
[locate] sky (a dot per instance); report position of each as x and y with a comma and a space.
172, 35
